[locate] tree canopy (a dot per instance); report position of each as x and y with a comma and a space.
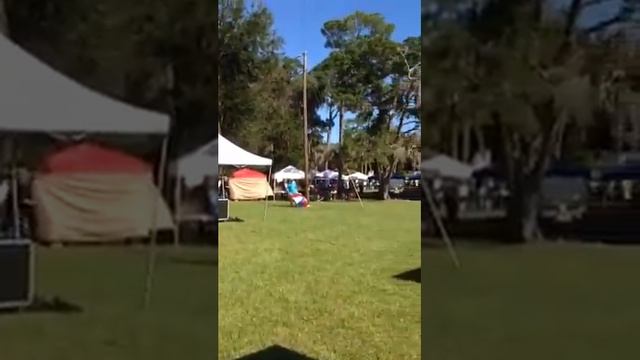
521, 72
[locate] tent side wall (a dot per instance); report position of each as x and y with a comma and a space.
249, 189
97, 207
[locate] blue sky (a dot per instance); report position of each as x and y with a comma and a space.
298, 23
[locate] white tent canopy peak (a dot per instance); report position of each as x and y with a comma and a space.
36, 98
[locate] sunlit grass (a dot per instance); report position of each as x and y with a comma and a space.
320, 281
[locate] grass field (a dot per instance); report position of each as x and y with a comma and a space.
99, 316
320, 281
532, 302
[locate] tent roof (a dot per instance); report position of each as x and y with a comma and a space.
447, 167
289, 173
194, 167
359, 176
36, 98
232, 154
92, 158
248, 174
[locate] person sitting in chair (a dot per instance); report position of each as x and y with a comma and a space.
296, 199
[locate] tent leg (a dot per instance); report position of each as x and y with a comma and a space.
443, 230
15, 203
266, 197
357, 192
151, 263
177, 202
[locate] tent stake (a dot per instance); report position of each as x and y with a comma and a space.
151, 264
177, 209
443, 230
357, 192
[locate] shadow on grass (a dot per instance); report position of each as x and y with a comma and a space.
275, 352
41, 305
231, 220
411, 275
195, 262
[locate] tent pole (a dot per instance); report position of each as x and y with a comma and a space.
15, 192
154, 229
14, 203
357, 192
443, 230
177, 198
266, 198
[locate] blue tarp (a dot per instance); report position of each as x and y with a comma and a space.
620, 172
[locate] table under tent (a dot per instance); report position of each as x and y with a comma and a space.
38, 108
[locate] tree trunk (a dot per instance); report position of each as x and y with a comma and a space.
385, 184
454, 142
4, 21
466, 142
480, 139
523, 212
340, 159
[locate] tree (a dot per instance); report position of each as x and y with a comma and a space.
383, 93
4, 25
260, 99
530, 77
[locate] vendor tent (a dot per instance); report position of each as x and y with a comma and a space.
34, 98
358, 176
203, 162
288, 173
88, 193
327, 174
331, 175
194, 168
446, 166
247, 184
230, 154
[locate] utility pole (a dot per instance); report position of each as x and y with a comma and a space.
306, 132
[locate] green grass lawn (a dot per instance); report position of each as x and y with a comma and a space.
320, 281
108, 285
532, 302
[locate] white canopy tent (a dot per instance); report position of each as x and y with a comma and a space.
349, 179
331, 175
34, 98
358, 176
197, 165
230, 154
194, 168
446, 166
288, 173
